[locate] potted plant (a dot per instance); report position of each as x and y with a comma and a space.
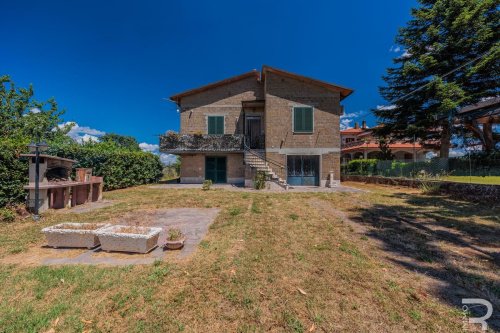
72, 234
175, 239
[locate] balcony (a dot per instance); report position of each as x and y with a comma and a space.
174, 143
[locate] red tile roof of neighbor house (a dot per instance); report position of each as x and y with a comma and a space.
352, 131
371, 144
344, 92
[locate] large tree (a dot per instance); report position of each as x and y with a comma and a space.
451, 59
121, 141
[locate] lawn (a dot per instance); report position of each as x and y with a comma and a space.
490, 180
387, 260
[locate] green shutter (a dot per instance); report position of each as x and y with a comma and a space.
211, 125
216, 125
302, 119
220, 125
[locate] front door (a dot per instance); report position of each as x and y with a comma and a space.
253, 132
303, 170
215, 169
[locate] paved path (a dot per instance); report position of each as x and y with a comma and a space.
193, 222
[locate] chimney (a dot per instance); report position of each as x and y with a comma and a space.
356, 125
363, 126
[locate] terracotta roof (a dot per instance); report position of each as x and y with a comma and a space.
176, 98
351, 131
344, 92
374, 145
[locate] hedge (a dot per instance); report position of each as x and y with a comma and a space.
120, 168
13, 172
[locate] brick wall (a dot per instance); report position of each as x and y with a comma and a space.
224, 101
193, 168
282, 94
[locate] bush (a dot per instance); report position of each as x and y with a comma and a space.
206, 185
259, 181
362, 167
7, 215
13, 172
120, 168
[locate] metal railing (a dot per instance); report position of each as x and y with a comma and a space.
278, 168
177, 143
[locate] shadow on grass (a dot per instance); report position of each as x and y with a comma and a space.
442, 238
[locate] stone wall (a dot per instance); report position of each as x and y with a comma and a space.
464, 191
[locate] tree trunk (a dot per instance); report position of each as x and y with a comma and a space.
444, 151
489, 143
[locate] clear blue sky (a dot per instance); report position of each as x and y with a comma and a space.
111, 64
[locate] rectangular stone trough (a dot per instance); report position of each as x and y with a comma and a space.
123, 238
71, 234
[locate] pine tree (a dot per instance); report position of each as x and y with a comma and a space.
451, 60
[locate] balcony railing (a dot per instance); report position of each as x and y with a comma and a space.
179, 143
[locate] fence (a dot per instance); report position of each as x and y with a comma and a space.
438, 168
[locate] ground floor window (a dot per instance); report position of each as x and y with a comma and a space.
303, 170
215, 169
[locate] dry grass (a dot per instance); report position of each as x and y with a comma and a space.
304, 262
131, 230
83, 226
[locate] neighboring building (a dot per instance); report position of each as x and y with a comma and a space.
360, 143
283, 123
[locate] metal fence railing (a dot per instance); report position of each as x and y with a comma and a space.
434, 168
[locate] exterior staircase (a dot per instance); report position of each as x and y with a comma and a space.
256, 160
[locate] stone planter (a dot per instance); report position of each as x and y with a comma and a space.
175, 244
73, 234
123, 238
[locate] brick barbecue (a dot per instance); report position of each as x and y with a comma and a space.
57, 189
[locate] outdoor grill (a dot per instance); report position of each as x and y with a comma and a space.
57, 189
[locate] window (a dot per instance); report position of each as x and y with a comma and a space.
216, 125
303, 119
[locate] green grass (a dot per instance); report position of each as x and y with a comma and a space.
269, 262
489, 180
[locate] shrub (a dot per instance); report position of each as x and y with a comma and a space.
362, 167
13, 172
120, 168
430, 188
206, 185
259, 181
7, 215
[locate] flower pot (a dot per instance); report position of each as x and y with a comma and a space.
175, 244
72, 234
123, 238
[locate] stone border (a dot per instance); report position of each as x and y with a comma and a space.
464, 191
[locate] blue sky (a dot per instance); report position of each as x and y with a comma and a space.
112, 64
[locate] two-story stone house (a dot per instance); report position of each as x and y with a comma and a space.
279, 122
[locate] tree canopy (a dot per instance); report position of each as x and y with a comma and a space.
122, 141
451, 60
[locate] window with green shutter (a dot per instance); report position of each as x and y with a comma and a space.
303, 119
216, 125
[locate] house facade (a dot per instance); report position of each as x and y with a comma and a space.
284, 124
360, 143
